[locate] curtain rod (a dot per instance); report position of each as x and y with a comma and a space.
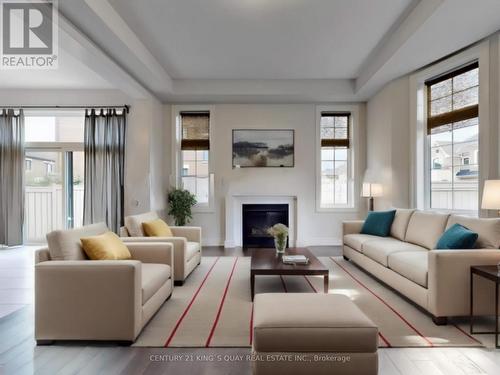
125, 106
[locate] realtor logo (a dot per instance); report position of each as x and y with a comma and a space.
29, 34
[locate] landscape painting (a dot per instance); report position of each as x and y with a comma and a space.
263, 148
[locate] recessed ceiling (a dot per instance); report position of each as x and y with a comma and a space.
260, 39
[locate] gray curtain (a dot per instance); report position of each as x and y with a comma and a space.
104, 167
11, 177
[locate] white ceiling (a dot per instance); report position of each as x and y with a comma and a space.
71, 74
260, 39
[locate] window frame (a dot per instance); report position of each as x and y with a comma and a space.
468, 112
177, 160
352, 157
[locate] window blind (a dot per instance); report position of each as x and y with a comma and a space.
335, 129
195, 130
453, 96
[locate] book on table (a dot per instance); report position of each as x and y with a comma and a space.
295, 259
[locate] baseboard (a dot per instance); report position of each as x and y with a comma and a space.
314, 241
320, 241
212, 242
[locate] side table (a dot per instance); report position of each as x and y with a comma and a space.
490, 273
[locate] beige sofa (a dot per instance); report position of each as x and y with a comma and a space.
186, 242
436, 280
80, 299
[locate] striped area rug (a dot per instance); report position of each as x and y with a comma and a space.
213, 308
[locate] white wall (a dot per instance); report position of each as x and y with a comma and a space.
388, 144
146, 158
313, 228
146, 166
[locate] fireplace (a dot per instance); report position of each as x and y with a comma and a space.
257, 218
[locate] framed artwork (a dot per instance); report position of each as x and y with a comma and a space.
263, 148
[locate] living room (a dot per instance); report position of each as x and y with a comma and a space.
249, 186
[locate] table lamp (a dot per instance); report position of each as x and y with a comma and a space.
371, 190
491, 195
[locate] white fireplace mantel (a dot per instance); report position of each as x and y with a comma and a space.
234, 209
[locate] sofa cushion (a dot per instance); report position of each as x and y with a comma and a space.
412, 265
106, 246
356, 241
378, 223
153, 276
133, 223
400, 223
457, 237
191, 249
487, 229
308, 322
156, 228
379, 250
66, 244
425, 228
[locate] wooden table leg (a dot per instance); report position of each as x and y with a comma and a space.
326, 283
252, 284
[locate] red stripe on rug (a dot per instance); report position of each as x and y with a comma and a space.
384, 302
251, 326
310, 284
385, 340
172, 334
221, 305
284, 285
466, 334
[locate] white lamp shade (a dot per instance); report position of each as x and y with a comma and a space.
371, 190
491, 195
376, 190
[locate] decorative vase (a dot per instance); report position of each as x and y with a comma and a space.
280, 244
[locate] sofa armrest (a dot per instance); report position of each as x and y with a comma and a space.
449, 281
179, 244
88, 300
152, 252
352, 227
192, 234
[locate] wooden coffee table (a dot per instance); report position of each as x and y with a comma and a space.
267, 262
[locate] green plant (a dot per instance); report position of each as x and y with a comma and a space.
180, 202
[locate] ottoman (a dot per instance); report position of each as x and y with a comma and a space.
304, 333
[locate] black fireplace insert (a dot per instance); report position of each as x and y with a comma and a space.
257, 218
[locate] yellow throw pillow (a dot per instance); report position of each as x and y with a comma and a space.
157, 228
107, 246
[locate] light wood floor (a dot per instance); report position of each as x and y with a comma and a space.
19, 355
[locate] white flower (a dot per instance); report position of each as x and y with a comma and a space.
278, 230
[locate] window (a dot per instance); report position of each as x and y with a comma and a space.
453, 132
28, 163
335, 164
195, 149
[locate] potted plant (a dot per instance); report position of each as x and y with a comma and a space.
280, 234
180, 202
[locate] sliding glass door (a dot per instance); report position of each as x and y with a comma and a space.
54, 174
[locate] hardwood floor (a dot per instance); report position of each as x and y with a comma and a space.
19, 355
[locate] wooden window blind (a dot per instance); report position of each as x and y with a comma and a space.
335, 129
453, 96
195, 130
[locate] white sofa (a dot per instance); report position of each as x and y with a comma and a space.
436, 280
186, 242
81, 299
